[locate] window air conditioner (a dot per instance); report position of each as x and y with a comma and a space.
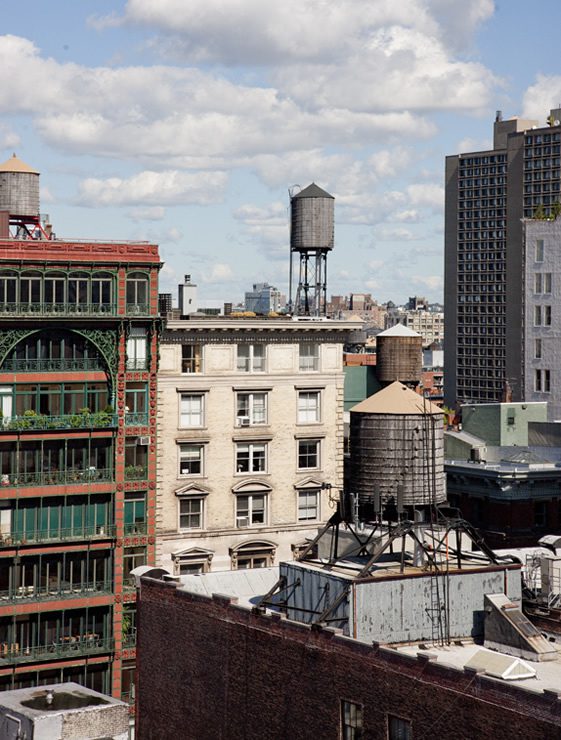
143, 440
242, 521
243, 421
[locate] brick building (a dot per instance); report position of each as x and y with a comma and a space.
78, 367
239, 673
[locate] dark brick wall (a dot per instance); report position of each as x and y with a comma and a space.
210, 670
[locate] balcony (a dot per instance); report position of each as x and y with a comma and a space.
31, 421
58, 309
136, 472
57, 478
64, 647
98, 532
139, 364
135, 528
63, 590
138, 309
58, 365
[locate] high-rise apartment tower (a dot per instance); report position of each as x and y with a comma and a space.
488, 196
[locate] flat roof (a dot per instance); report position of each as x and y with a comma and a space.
548, 673
245, 585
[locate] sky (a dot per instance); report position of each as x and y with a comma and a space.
185, 122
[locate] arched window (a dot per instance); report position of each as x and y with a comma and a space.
258, 554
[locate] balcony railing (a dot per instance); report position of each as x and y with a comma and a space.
58, 309
63, 590
57, 477
137, 364
136, 472
97, 532
13, 652
31, 422
138, 309
129, 640
49, 366
134, 419
135, 528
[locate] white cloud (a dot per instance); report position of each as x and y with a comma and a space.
426, 194
8, 138
431, 282
219, 273
267, 227
473, 145
150, 213
169, 188
541, 97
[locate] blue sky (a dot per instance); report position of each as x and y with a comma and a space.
186, 122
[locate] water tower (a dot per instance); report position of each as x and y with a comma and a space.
19, 201
311, 238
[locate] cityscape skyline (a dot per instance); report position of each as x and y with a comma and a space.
168, 125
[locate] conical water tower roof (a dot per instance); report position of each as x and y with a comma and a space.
399, 330
15, 164
312, 191
396, 399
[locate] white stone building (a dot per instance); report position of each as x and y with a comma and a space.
250, 438
429, 324
540, 351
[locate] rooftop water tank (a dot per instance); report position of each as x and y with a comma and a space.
399, 355
397, 440
19, 189
312, 217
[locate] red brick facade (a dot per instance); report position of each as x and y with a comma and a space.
209, 669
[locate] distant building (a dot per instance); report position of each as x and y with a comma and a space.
188, 297
541, 356
504, 471
263, 299
429, 324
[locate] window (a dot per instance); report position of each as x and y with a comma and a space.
308, 454
547, 315
191, 412
135, 512
538, 381
137, 292
190, 459
351, 720
251, 510
191, 358
253, 555
399, 728
133, 557
546, 381
547, 282
538, 282
136, 403
308, 407
136, 349
251, 358
191, 513
251, 408
251, 458
308, 505
194, 560
537, 349
537, 315
539, 250
309, 357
